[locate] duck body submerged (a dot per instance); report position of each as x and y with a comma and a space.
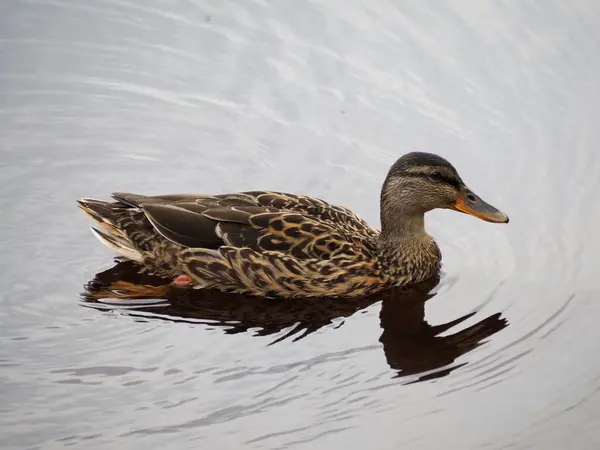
275, 244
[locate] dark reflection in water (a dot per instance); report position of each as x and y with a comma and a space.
411, 345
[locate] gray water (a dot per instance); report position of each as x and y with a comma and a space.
317, 98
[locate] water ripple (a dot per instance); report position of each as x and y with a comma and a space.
196, 96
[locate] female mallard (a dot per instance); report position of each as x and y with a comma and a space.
276, 244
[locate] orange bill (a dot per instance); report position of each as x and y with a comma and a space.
470, 203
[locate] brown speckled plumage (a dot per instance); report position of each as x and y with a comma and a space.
278, 244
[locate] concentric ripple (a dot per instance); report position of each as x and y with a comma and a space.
317, 98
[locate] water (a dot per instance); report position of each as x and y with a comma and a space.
316, 98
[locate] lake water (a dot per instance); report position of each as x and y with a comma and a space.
317, 98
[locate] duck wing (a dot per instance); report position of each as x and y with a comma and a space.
300, 226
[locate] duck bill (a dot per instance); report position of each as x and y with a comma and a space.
469, 203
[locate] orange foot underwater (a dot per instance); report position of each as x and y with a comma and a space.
125, 289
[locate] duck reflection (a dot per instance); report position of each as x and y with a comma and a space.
411, 345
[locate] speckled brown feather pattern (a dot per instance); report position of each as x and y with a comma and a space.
261, 243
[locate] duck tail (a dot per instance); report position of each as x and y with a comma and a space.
106, 215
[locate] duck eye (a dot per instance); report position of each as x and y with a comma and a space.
436, 176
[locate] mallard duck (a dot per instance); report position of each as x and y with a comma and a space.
274, 244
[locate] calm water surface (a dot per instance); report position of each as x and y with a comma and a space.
316, 98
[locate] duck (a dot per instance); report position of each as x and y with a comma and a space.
276, 244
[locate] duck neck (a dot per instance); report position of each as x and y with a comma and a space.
402, 231
405, 247
403, 226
